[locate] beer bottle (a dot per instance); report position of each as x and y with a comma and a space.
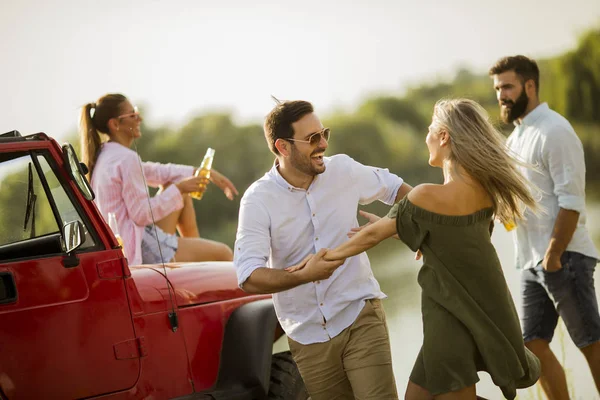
112, 223
509, 225
204, 172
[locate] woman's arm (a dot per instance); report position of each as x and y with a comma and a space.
312, 268
134, 194
368, 237
158, 174
372, 219
224, 184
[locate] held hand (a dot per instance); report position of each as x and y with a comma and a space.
372, 219
418, 255
551, 263
300, 265
317, 268
190, 184
224, 184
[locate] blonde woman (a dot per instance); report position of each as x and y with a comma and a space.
469, 320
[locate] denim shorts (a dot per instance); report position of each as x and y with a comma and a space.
568, 293
157, 243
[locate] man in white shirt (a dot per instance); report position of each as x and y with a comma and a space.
553, 248
307, 203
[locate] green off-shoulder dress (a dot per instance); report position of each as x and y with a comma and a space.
470, 322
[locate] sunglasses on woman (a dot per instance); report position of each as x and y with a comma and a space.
134, 114
315, 138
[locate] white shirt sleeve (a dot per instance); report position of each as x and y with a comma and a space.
253, 239
374, 183
562, 154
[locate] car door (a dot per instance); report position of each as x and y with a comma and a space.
65, 325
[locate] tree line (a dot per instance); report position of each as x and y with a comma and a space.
386, 130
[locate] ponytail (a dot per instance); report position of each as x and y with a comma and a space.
91, 125
90, 138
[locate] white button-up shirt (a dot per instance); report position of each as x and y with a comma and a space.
547, 140
280, 224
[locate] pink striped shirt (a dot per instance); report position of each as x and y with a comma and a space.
119, 185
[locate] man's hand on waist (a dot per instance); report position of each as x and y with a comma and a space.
551, 262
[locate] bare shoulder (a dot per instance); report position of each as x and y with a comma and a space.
426, 196
451, 199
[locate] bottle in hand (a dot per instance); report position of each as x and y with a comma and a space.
112, 223
204, 172
509, 225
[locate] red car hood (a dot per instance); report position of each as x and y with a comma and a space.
196, 283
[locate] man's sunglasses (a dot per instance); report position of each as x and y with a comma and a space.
315, 138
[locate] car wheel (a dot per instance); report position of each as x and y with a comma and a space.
286, 382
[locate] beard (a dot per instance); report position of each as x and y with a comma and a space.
304, 164
516, 109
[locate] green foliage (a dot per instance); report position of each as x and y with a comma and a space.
581, 71
241, 154
387, 131
13, 205
394, 109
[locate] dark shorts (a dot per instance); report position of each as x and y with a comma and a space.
568, 293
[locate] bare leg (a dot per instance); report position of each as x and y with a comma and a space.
183, 220
592, 355
190, 246
552, 379
169, 223
187, 225
467, 393
196, 249
416, 392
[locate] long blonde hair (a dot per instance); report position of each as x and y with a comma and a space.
478, 147
93, 120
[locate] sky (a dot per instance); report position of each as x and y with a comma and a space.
181, 57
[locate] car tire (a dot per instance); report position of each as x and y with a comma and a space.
286, 382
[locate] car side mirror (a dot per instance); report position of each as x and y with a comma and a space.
73, 236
